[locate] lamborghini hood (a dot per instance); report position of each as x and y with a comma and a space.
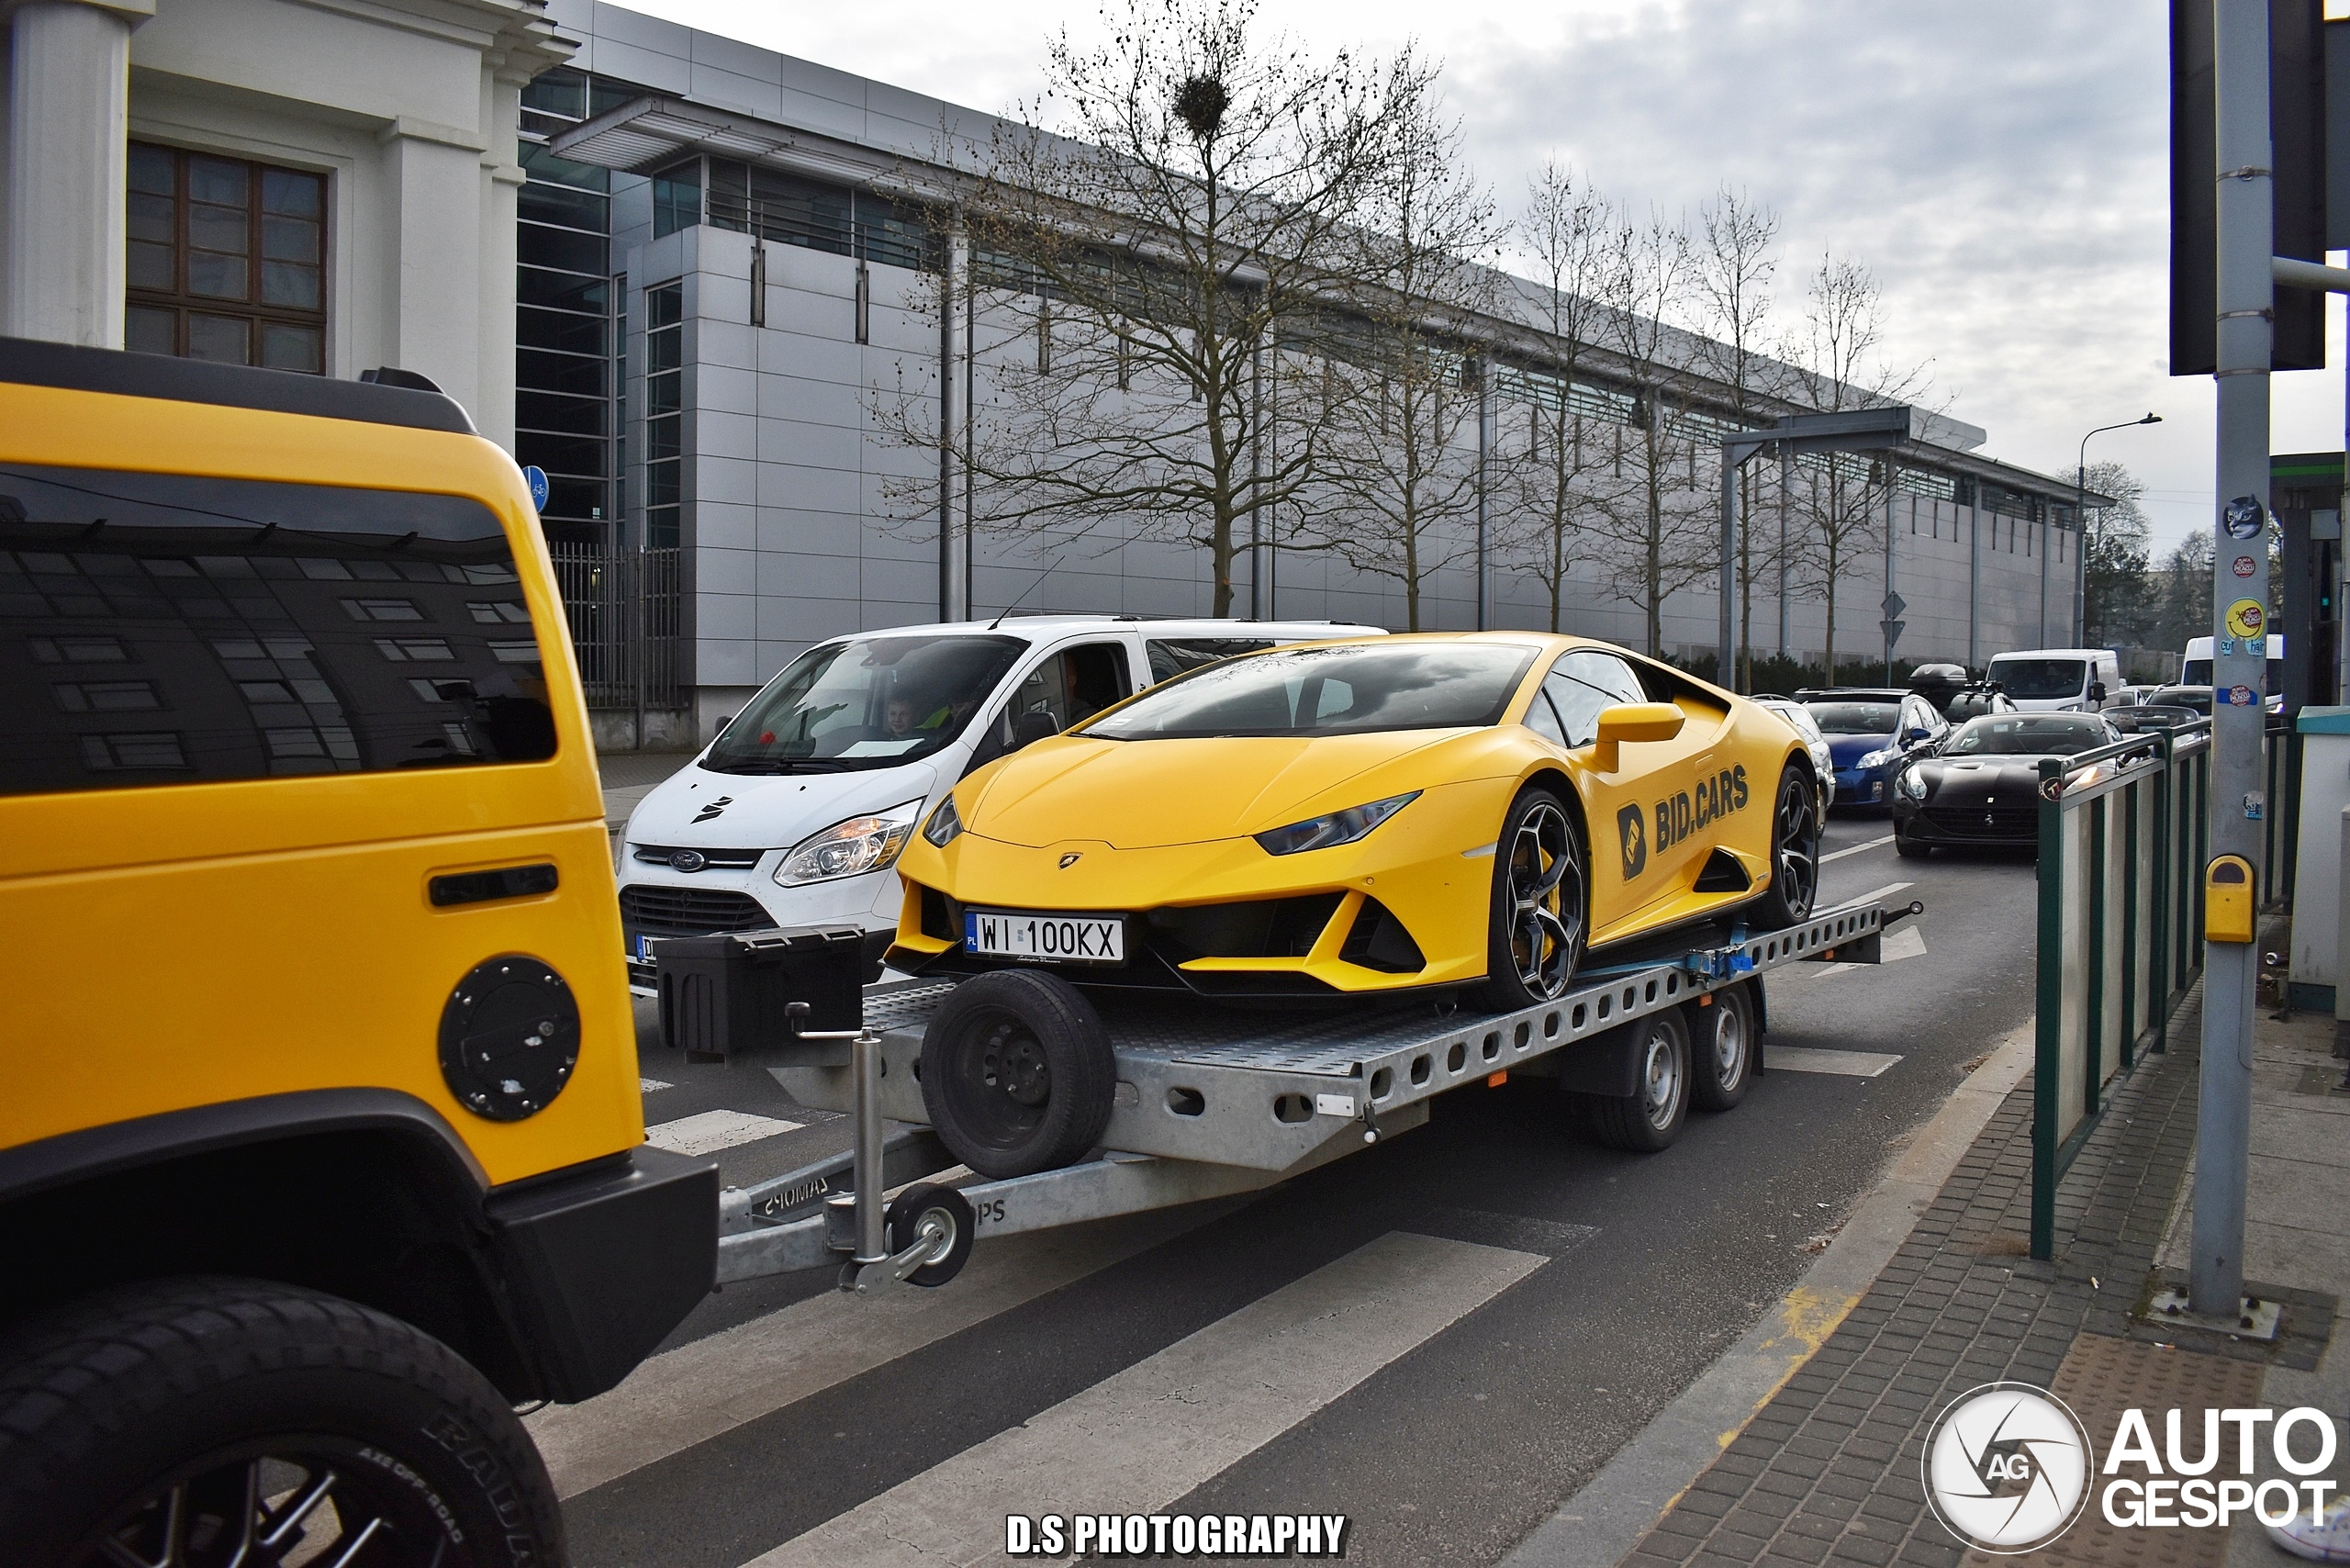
1148, 794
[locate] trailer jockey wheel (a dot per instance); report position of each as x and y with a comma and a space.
947, 1214
1017, 1073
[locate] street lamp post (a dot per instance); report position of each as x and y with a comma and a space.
2080, 509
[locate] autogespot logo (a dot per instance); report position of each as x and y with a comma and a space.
2007, 1467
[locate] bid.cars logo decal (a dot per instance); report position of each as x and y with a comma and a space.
1713, 800
1634, 840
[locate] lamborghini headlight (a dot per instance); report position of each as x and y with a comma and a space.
1877, 758
1337, 827
945, 824
1912, 783
850, 849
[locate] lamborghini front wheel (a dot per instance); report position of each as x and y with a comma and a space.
1542, 904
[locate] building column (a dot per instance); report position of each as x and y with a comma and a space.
69, 122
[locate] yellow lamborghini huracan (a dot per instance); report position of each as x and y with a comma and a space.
1467, 809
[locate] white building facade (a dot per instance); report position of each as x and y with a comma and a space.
322, 189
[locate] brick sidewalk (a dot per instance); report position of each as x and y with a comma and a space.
1829, 1471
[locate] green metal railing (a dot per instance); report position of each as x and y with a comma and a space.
2123, 838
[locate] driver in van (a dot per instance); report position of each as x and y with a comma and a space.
897, 718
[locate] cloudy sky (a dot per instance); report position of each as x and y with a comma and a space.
2000, 165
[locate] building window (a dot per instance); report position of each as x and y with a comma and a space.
677, 198
227, 260
564, 319
665, 358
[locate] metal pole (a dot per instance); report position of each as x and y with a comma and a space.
1485, 474
865, 1054
950, 573
2247, 298
970, 428
1974, 584
1725, 667
1257, 611
1888, 571
1786, 480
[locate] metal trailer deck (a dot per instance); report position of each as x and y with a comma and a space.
1210, 1101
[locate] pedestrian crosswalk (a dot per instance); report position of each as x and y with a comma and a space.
713, 1131
1140, 1440
1136, 1440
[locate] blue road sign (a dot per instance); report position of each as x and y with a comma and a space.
537, 477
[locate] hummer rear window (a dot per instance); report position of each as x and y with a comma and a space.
165, 629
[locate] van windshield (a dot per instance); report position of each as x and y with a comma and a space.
2197, 672
2041, 680
868, 702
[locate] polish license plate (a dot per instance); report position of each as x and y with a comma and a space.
1044, 937
643, 950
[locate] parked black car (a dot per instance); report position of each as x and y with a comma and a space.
1981, 785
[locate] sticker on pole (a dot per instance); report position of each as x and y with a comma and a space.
536, 477
2242, 697
2246, 616
2243, 565
2244, 518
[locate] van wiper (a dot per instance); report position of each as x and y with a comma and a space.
771, 766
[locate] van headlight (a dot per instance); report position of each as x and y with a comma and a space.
851, 848
1912, 783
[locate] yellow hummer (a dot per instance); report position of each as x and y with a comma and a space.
322, 1147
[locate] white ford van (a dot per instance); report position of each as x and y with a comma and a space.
795, 814
2058, 680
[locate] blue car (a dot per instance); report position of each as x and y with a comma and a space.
1871, 732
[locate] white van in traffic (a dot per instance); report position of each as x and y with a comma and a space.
795, 814
2196, 668
2058, 680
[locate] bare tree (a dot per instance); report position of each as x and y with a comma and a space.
1664, 539
1565, 231
1170, 243
1735, 263
1840, 367
1404, 433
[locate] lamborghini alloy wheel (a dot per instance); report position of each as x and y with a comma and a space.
1795, 854
1541, 901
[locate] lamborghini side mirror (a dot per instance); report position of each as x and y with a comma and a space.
1632, 721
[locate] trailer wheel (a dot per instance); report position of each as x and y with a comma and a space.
1017, 1073
950, 1212
1721, 1049
208, 1419
1649, 1118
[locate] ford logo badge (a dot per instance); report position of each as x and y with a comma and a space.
687, 860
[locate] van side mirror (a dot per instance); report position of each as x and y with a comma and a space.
723, 724
2097, 691
1632, 721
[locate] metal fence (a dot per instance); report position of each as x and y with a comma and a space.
2123, 837
626, 614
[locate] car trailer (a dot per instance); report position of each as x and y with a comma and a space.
1208, 1101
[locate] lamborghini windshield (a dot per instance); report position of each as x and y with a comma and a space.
868, 702
1345, 689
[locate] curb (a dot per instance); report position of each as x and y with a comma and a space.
1605, 1519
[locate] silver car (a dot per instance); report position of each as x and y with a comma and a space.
1823, 765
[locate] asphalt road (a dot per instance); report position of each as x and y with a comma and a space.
1441, 1338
